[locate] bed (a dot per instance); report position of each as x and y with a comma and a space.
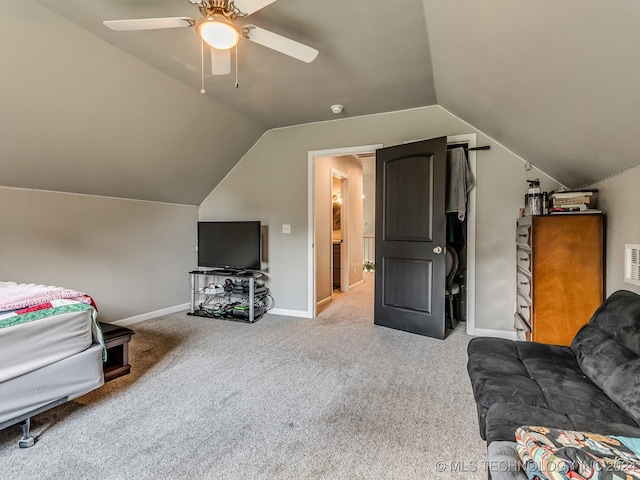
51, 351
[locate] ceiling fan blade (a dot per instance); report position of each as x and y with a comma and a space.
149, 23
220, 61
280, 44
251, 6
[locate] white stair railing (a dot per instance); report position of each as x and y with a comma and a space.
368, 251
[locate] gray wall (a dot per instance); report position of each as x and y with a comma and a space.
132, 257
271, 184
618, 199
501, 184
536, 77
82, 116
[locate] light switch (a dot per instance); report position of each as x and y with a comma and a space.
286, 228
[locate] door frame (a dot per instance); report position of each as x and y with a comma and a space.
311, 230
471, 140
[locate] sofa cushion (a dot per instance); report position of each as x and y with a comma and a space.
608, 350
619, 316
580, 398
502, 390
589, 424
587, 338
499, 376
503, 419
623, 386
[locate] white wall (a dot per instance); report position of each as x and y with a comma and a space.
270, 184
618, 199
132, 257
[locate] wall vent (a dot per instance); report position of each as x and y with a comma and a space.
632, 264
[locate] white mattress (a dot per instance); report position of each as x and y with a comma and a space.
33, 345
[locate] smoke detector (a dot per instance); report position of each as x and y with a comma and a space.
337, 108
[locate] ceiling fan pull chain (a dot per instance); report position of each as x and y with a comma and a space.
202, 90
237, 84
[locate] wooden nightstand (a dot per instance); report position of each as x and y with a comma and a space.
116, 339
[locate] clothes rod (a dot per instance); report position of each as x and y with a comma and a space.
484, 147
467, 149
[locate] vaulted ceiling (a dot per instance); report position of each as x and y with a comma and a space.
90, 110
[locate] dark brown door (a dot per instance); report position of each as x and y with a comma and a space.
410, 237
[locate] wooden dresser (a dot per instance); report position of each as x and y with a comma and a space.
337, 246
560, 275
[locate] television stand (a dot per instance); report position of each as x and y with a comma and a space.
229, 295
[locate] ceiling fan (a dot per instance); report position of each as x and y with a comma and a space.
218, 29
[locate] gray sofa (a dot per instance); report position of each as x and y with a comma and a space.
593, 385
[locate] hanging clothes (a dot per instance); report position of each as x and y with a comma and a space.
459, 182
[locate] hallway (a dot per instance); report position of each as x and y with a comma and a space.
357, 302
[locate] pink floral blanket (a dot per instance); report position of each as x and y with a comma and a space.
14, 295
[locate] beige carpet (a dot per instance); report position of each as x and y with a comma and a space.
285, 398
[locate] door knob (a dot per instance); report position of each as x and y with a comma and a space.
437, 250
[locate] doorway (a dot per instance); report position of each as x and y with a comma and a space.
338, 217
342, 168
468, 139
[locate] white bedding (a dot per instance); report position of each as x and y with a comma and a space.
29, 346
20, 295
51, 350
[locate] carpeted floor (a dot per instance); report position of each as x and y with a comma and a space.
333, 397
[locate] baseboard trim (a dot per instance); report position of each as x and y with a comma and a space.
148, 316
323, 302
483, 332
290, 313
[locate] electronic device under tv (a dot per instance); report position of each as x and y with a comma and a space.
229, 245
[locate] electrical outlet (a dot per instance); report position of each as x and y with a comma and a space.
286, 228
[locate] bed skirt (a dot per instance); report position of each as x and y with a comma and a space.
67, 379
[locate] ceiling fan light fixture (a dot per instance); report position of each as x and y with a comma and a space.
218, 32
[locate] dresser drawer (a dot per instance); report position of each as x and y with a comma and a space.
523, 280
523, 307
523, 331
523, 259
523, 235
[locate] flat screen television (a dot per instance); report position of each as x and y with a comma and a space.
229, 245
